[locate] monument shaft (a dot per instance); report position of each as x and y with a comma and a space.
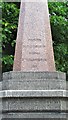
34, 50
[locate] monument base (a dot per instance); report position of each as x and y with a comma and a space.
34, 95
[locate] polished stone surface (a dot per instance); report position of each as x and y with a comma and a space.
34, 51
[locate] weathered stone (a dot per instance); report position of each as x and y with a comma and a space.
35, 116
29, 94
34, 81
33, 75
50, 103
33, 93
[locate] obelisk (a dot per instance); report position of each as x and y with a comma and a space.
34, 51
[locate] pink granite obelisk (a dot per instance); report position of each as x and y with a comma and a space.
34, 51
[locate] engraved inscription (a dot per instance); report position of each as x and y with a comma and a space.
33, 46
34, 66
33, 59
35, 39
34, 53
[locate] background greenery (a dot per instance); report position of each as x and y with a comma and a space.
58, 18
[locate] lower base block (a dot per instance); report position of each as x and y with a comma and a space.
27, 105
34, 96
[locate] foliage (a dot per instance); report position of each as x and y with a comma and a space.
0, 40
58, 17
10, 14
59, 23
8, 62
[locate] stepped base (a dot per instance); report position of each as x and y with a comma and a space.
35, 116
22, 100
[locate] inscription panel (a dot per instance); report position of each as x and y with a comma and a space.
35, 56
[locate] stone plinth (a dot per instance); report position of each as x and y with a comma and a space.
34, 81
34, 95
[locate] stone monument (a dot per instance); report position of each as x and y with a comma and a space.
34, 90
